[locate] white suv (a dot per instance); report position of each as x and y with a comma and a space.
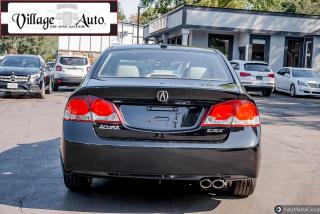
255, 76
70, 70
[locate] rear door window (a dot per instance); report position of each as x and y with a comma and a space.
73, 61
235, 66
259, 67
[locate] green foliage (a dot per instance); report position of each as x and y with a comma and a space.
38, 45
158, 7
121, 15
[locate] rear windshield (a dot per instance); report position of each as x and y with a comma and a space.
21, 61
305, 73
257, 67
73, 61
164, 64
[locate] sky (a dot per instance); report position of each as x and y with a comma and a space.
129, 6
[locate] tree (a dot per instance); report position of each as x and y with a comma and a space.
38, 45
121, 15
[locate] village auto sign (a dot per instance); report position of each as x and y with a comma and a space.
68, 17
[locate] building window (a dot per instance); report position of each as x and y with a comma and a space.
293, 52
260, 47
308, 53
175, 40
224, 43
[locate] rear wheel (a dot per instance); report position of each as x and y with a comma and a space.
76, 182
49, 90
243, 188
292, 91
55, 87
267, 92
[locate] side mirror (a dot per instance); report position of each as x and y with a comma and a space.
287, 75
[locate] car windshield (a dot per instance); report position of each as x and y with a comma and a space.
21, 61
305, 73
164, 64
50, 64
75, 61
257, 67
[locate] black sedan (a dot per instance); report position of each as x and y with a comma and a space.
25, 74
165, 113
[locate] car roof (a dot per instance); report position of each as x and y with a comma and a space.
246, 61
307, 69
81, 56
24, 55
168, 47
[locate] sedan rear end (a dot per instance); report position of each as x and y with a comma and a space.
158, 112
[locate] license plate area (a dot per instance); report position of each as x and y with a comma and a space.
159, 118
259, 78
12, 85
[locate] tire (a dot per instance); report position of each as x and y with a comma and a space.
267, 92
292, 90
243, 188
41, 94
76, 182
7, 94
49, 90
55, 87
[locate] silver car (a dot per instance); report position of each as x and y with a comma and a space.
70, 70
255, 76
298, 81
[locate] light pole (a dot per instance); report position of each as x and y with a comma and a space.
138, 29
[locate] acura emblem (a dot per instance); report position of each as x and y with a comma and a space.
13, 78
163, 96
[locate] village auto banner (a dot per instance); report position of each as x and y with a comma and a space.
67, 17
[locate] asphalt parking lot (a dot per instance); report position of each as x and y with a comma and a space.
31, 179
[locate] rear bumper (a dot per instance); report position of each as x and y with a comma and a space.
258, 87
85, 153
68, 81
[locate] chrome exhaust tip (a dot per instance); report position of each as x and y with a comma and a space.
206, 183
219, 183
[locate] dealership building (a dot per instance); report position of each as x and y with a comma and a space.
281, 39
94, 45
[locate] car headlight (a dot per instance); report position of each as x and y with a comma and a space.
34, 77
302, 83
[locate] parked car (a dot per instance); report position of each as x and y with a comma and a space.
139, 115
70, 70
51, 65
1, 58
255, 76
298, 81
25, 74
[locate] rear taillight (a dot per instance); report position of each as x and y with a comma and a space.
271, 75
91, 109
244, 74
234, 113
58, 68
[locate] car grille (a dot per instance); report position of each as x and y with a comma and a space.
314, 85
14, 78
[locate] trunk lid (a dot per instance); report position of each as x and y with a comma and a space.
181, 115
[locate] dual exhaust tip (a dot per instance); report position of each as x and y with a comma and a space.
216, 183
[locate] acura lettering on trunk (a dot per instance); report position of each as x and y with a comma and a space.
165, 113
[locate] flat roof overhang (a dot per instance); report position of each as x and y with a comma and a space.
234, 20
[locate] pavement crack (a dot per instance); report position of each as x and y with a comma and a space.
300, 149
